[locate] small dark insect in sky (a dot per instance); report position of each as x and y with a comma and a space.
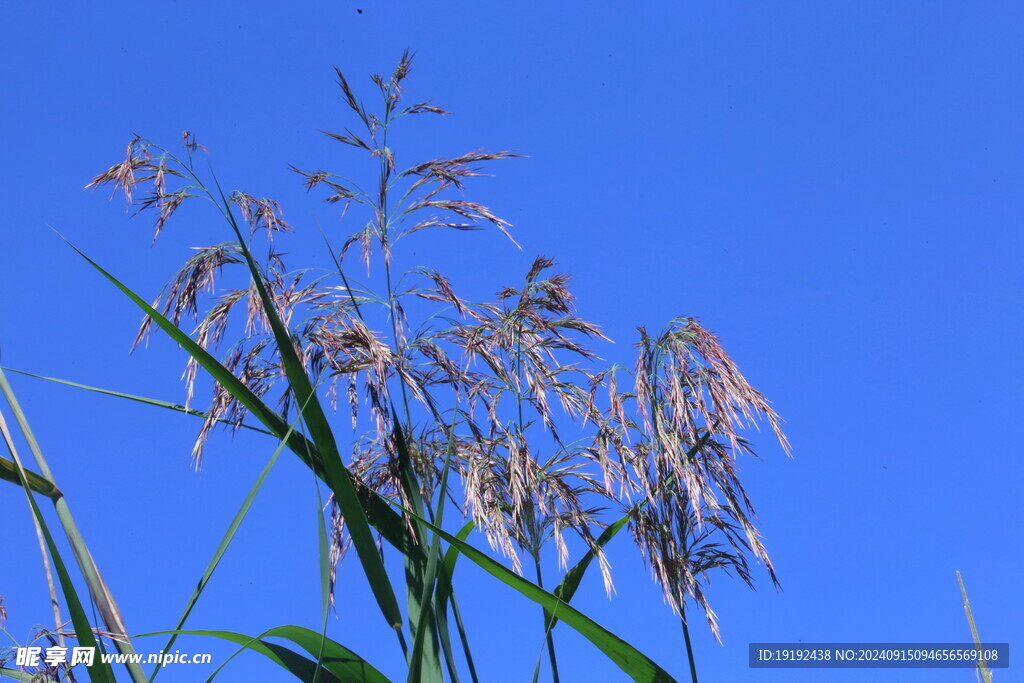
359, 10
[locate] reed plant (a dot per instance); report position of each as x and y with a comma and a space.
501, 410
984, 673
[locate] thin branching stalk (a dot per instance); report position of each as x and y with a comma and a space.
686, 641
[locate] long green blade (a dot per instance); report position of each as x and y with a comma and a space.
338, 661
229, 535
100, 672
633, 662
131, 397
274, 422
98, 589
337, 477
16, 675
445, 594
428, 618
324, 555
424, 662
9, 472
567, 589
330, 467
386, 520
301, 667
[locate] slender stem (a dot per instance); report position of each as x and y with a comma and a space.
549, 637
547, 629
689, 646
519, 373
463, 638
50, 585
655, 415
385, 181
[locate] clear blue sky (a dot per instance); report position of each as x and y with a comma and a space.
833, 188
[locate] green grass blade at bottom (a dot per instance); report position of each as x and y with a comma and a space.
430, 619
339, 662
229, 535
571, 583
100, 672
445, 594
324, 556
633, 662
100, 593
424, 661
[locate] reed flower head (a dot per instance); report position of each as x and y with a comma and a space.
693, 514
488, 390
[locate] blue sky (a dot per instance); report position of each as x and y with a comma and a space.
832, 188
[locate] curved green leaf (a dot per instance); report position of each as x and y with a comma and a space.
337, 477
16, 675
574, 576
9, 472
633, 662
100, 672
222, 547
445, 594
131, 397
339, 663
567, 588
424, 662
328, 466
101, 595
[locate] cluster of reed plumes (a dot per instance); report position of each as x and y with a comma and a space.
506, 397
